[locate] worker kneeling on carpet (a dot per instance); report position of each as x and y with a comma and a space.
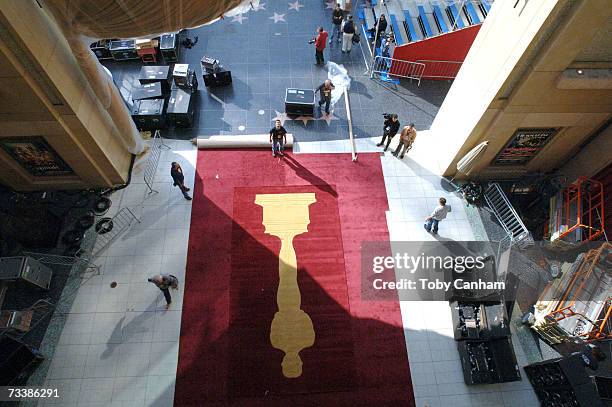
278, 138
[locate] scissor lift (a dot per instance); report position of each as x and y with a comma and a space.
578, 305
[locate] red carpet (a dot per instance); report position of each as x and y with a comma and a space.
226, 358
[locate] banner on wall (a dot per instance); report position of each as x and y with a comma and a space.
524, 145
36, 156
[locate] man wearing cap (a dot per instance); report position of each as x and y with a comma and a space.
390, 129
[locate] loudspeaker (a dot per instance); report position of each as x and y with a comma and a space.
475, 320
299, 102
220, 78
580, 396
101, 50
168, 47
23, 268
181, 108
148, 114
161, 74
563, 382
490, 361
209, 65
147, 91
122, 50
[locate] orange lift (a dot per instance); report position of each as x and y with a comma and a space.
579, 303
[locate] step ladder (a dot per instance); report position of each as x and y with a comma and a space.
507, 216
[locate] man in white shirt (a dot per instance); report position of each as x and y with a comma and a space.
436, 216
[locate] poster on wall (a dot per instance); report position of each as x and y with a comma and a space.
36, 156
523, 146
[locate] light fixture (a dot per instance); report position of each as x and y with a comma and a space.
579, 71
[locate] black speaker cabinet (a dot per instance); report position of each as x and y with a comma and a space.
486, 362
168, 46
152, 74
184, 78
17, 361
147, 91
579, 396
148, 114
474, 320
27, 269
563, 382
299, 102
181, 108
100, 48
221, 78
123, 50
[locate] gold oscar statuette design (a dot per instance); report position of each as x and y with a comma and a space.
286, 216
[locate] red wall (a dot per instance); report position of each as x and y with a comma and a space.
452, 46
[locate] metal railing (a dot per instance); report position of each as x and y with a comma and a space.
157, 144
69, 261
385, 66
440, 69
506, 215
120, 223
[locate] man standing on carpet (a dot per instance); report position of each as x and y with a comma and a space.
390, 129
278, 138
325, 90
320, 42
436, 216
176, 172
164, 282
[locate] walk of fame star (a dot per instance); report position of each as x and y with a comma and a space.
277, 17
295, 6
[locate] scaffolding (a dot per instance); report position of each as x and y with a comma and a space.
577, 213
579, 303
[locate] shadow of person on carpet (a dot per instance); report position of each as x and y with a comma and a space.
308, 176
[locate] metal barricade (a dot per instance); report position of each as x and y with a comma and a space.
157, 144
507, 216
81, 262
120, 223
389, 67
440, 69
17, 323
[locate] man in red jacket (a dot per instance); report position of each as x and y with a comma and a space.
320, 43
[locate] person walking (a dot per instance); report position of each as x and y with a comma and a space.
179, 179
164, 282
320, 43
431, 222
381, 28
407, 137
278, 138
337, 17
348, 30
390, 129
325, 90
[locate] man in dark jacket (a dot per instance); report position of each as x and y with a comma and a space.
325, 90
278, 138
337, 17
179, 179
390, 129
348, 31
381, 28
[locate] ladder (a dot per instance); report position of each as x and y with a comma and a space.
506, 215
